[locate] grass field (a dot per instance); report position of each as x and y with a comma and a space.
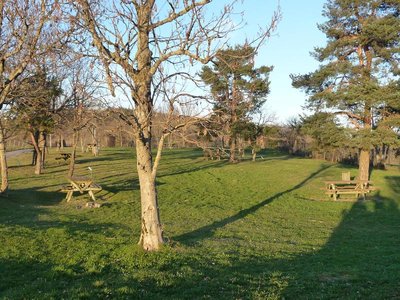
253, 230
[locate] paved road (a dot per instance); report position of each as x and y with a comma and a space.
17, 152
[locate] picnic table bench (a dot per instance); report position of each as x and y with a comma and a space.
80, 184
64, 156
348, 187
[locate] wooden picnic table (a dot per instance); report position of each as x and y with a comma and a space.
350, 187
81, 184
64, 156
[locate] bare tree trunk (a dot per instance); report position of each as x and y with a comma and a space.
81, 140
40, 150
3, 162
121, 144
94, 136
363, 164
151, 232
35, 139
71, 168
170, 141
44, 148
59, 144
294, 148
388, 155
62, 142
36, 153
382, 157
232, 147
253, 154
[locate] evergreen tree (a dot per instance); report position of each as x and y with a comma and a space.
360, 67
239, 89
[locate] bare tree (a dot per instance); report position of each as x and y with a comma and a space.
81, 97
136, 40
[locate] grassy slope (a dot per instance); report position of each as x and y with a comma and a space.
245, 231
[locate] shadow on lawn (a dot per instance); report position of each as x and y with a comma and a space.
208, 230
183, 169
24, 207
361, 259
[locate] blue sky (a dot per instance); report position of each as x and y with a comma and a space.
288, 50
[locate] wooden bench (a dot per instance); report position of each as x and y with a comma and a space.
81, 185
64, 156
348, 187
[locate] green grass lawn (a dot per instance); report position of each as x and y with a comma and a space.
253, 230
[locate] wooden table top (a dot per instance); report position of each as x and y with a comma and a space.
347, 181
80, 178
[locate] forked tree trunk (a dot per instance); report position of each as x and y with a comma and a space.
151, 237
363, 164
3, 162
151, 232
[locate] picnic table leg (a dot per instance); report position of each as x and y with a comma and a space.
335, 196
91, 194
69, 195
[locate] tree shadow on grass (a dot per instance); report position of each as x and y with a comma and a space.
209, 230
360, 261
46, 280
183, 169
30, 196
110, 190
394, 182
25, 207
101, 158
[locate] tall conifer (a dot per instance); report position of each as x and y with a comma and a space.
238, 88
359, 67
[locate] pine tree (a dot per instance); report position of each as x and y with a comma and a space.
238, 88
357, 77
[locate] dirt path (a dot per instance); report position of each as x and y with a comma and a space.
17, 152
